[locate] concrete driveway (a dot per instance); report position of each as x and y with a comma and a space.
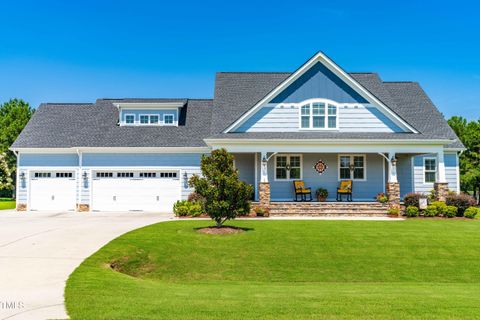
38, 251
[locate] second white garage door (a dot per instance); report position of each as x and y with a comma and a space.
135, 191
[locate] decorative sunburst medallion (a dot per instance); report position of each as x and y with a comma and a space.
320, 166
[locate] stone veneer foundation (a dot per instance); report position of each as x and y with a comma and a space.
393, 193
21, 207
264, 194
83, 207
441, 190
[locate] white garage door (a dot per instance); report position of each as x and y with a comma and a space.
53, 191
135, 191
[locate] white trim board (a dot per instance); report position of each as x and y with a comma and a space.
332, 66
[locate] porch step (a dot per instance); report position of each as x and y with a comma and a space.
328, 208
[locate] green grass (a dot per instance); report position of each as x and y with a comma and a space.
285, 270
7, 203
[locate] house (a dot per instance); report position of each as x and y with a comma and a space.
138, 154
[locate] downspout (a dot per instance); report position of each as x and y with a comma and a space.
79, 177
16, 174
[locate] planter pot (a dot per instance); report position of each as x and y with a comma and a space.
321, 199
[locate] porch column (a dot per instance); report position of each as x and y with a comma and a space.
264, 186
441, 185
393, 187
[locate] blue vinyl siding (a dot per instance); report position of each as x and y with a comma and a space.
138, 112
451, 163
363, 190
245, 163
285, 118
141, 159
318, 82
48, 160
404, 174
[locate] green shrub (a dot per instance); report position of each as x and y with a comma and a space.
461, 201
471, 212
183, 208
430, 211
441, 207
412, 211
394, 211
261, 211
412, 199
450, 211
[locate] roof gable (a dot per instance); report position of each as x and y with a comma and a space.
319, 82
356, 90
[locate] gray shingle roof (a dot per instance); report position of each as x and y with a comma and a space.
95, 125
236, 93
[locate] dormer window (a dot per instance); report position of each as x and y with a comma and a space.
150, 113
154, 119
318, 115
168, 119
130, 118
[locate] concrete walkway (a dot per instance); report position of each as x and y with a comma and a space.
38, 251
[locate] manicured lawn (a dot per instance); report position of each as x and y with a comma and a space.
285, 270
7, 203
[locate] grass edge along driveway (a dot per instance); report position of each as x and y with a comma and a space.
7, 203
284, 270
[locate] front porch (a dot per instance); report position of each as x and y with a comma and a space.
391, 173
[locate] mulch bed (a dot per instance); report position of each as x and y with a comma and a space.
221, 230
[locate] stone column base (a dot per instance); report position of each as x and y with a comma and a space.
21, 207
264, 194
393, 193
83, 207
441, 190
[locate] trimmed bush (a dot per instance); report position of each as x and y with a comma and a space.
394, 212
471, 212
261, 211
195, 197
430, 211
183, 208
412, 211
461, 201
412, 199
450, 211
441, 207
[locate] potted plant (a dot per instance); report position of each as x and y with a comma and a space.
322, 194
382, 197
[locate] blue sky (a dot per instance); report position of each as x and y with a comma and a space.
77, 51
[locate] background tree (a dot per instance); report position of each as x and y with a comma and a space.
14, 115
469, 134
226, 196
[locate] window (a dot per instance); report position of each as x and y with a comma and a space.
130, 118
351, 167
143, 119
124, 174
288, 167
64, 175
318, 115
430, 170
168, 174
42, 175
154, 119
104, 174
168, 119
148, 174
